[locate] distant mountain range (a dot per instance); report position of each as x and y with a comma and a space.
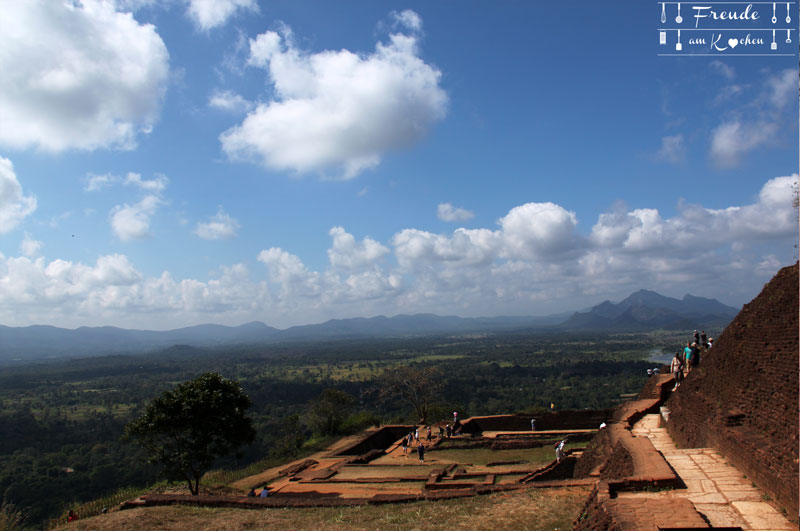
643, 310
648, 310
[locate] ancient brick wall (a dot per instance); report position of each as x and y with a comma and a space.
559, 420
743, 398
619, 465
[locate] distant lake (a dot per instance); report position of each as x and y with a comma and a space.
656, 355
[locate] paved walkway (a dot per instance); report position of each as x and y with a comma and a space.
716, 489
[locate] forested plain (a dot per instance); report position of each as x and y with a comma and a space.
61, 421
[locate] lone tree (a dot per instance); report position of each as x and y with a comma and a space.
417, 386
329, 411
188, 428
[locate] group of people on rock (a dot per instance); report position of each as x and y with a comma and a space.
413, 438
684, 361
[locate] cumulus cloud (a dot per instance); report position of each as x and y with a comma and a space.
538, 229
696, 228
347, 253
337, 110
112, 291
208, 14
132, 222
14, 206
447, 212
533, 261
221, 226
78, 75
229, 101
289, 272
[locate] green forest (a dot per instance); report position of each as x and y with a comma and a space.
61, 421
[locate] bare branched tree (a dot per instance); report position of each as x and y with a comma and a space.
416, 385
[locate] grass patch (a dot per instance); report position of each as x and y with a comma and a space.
481, 456
527, 510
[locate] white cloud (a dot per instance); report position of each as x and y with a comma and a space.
408, 19
78, 75
535, 261
724, 70
289, 272
781, 88
229, 101
345, 253
447, 212
30, 247
337, 110
221, 226
538, 230
755, 123
112, 291
99, 182
696, 228
673, 149
731, 140
416, 249
156, 185
132, 222
208, 14
14, 206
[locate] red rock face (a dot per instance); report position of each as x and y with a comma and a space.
743, 399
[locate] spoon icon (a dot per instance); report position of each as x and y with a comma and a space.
774, 18
679, 18
663, 12
788, 18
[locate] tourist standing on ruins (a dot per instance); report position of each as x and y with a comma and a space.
676, 368
560, 450
696, 337
703, 339
416, 433
405, 445
687, 356
428, 434
695, 355
533, 424
421, 452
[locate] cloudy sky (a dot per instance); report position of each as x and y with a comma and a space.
165, 163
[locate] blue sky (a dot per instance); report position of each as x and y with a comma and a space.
172, 162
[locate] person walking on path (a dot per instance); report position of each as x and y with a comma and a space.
533, 424
405, 445
676, 368
421, 452
428, 433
